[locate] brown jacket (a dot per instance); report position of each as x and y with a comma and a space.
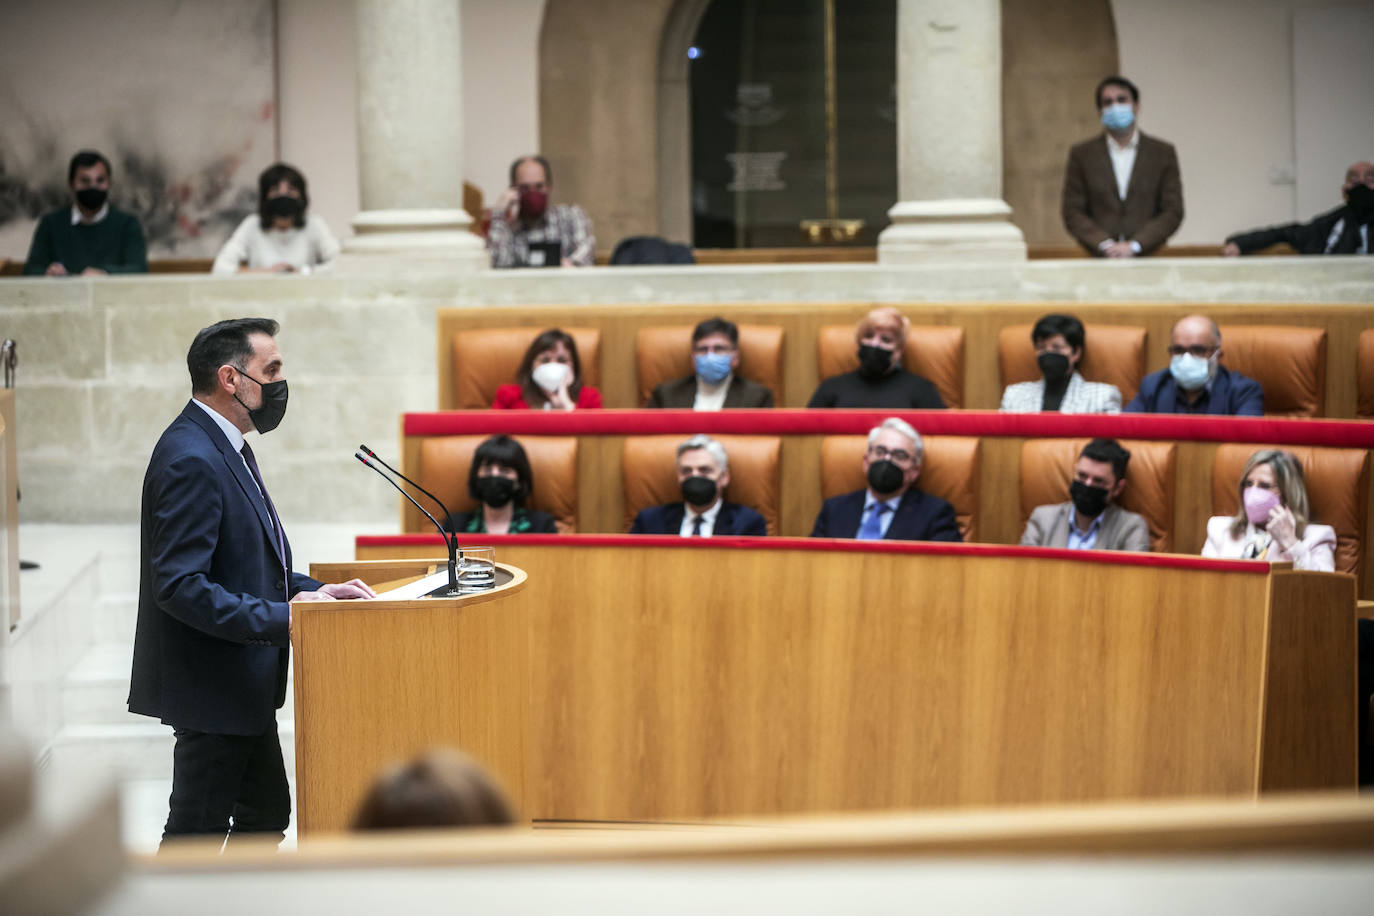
1093, 211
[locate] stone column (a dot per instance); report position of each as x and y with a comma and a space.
410, 134
949, 137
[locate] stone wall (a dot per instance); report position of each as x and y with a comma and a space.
102, 362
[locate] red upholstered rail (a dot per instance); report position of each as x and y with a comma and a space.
1342, 433
632, 541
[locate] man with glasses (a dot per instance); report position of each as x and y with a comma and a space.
1196, 381
529, 230
891, 507
714, 384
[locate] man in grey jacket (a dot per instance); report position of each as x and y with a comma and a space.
1091, 519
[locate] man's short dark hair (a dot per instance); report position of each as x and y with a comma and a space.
1067, 325
272, 176
716, 325
1116, 81
84, 160
224, 343
505, 452
548, 172
1108, 451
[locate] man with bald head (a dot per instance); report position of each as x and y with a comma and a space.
1344, 230
1196, 381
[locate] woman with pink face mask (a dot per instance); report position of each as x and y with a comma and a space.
1272, 522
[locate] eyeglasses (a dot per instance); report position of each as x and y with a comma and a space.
1201, 351
896, 456
703, 349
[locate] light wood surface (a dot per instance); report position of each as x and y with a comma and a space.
801, 323
669, 682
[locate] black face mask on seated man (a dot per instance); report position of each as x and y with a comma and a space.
884, 476
874, 362
699, 491
1088, 501
495, 491
1360, 199
92, 198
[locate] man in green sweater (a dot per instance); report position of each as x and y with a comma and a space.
91, 238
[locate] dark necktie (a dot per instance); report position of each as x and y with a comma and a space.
872, 529
252, 463
696, 526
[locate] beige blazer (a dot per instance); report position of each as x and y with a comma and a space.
1121, 530
1093, 209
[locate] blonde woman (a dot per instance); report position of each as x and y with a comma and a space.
1272, 522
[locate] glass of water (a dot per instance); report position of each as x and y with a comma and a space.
476, 568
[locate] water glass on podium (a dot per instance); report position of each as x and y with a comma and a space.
476, 568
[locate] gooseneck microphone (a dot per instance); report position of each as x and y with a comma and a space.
451, 542
375, 457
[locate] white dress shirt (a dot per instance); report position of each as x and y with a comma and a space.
712, 397
708, 519
1123, 160
78, 217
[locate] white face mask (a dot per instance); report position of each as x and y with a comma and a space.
550, 376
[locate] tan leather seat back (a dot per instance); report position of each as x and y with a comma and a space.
484, 358
1337, 491
664, 353
949, 471
1112, 353
933, 351
445, 460
1288, 362
1364, 375
648, 468
1047, 470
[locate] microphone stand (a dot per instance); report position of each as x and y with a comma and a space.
444, 591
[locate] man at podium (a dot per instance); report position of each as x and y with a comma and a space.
214, 622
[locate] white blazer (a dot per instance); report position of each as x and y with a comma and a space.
1079, 397
1316, 551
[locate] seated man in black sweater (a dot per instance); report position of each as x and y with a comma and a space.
880, 380
90, 238
1344, 230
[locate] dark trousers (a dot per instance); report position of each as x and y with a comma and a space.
216, 778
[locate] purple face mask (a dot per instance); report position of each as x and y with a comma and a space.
1258, 502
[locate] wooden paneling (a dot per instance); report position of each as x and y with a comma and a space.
981, 321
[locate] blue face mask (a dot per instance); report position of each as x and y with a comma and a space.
713, 367
1117, 117
1189, 371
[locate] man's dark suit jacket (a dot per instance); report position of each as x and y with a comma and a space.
212, 639
733, 519
1093, 209
1306, 238
683, 393
1232, 394
919, 517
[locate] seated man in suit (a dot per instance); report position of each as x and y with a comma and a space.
703, 470
1196, 381
1122, 192
1091, 519
891, 507
714, 385
1344, 230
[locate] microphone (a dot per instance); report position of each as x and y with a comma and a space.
443, 591
373, 455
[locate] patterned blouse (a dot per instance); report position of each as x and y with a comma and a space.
520, 523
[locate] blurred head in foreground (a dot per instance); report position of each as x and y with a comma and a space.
442, 788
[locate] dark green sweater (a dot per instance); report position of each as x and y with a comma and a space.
115, 244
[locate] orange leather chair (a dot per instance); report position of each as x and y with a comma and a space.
664, 353
933, 351
445, 460
1337, 491
484, 358
1112, 353
1047, 469
1364, 375
1288, 362
648, 468
949, 471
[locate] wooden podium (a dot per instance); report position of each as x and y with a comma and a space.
653, 679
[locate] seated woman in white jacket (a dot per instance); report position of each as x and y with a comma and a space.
1272, 523
280, 237
1058, 342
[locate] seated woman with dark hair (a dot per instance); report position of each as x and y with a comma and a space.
500, 480
442, 788
280, 237
1272, 522
549, 377
1058, 342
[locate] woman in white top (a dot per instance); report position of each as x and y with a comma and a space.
1058, 342
279, 238
1271, 523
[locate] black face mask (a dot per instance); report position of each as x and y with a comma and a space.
284, 207
1053, 366
267, 417
495, 491
874, 362
699, 491
92, 198
1360, 199
1088, 501
885, 477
